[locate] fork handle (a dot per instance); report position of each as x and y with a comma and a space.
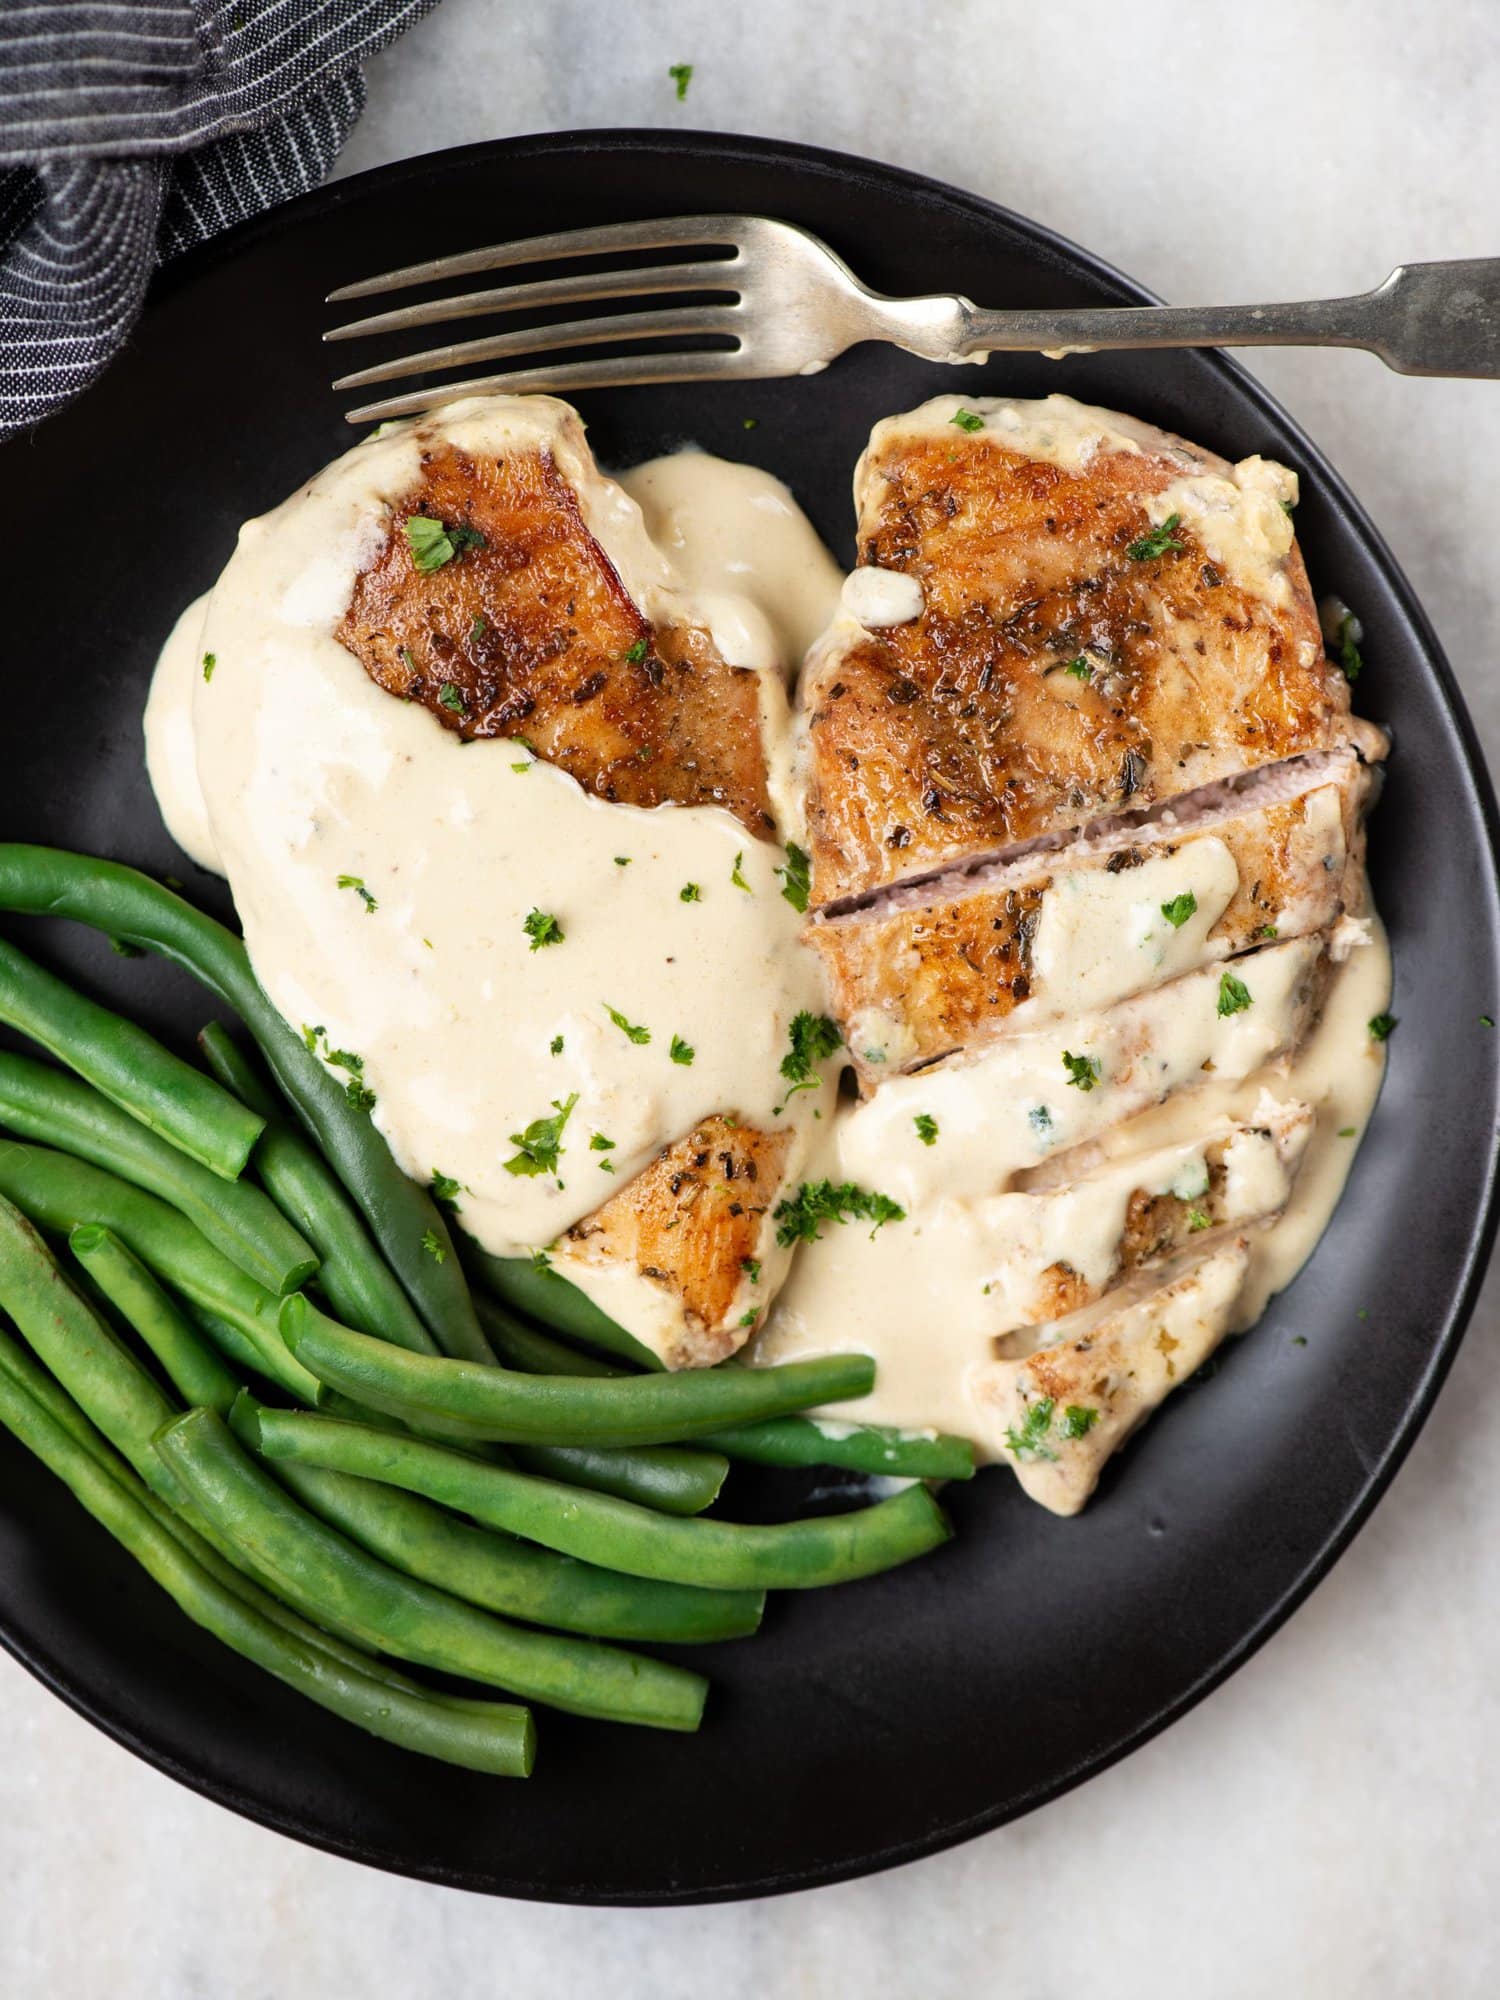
1426, 319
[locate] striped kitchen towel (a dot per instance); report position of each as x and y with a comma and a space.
131, 129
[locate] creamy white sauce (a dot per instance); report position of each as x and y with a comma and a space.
914, 1295
875, 597
171, 763
310, 773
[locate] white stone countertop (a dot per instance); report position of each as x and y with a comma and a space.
1325, 1825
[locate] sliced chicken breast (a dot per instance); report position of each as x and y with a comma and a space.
1061, 1412
1109, 617
926, 971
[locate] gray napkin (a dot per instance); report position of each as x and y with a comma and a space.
131, 129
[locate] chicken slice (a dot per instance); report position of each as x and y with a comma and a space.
1061, 1412
1106, 617
927, 970
1063, 1248
527, 630
696, 1226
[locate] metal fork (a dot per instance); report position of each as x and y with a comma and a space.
793, 306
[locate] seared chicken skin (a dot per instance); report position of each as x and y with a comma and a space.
516, 624
527, 631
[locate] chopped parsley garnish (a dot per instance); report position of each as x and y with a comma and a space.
599, 1144
123, 948
1156, 542
1198, 1218
1234, 995
749, 1318
800, 1220
737, 878
524, 767
478, 629
927, 1128
210, 661
444, 1189
1083, 1071
1078, 1419
452, 699
1351, 660
751, 1268
357, 884
967, 420
432, 543
1079, 669
1382, 1026
682, 75
1268, 931
434, 1246
636, 653
557, 1045
1486, 1021
750, 423
540, 1261
1347, 1131
796, 877
681, 1051
690, 893
813, 1038
623, 860
1039, 1118
1030, 1441
543, 929
541, 1143
1180, 909
409, 657
355, 1089
631, 1033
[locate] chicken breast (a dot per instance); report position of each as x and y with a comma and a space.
1061, 1412
926, 971
523, 628
696, 1225
1109, 617
493, 601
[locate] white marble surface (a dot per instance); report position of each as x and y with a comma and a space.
1325, 1825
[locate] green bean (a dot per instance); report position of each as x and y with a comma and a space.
498, 1573
194, 1370
789, 1555
534, 1288
494, 1737
664, 1476
360, 1285
542, 1409
867, 1448
40, 1386
126, 904
58, 1192
793, 1441
129, 1066
55, 1109
315, 1567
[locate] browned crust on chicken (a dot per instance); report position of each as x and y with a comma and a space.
963, 732
947, 973
531, 634
691, 1223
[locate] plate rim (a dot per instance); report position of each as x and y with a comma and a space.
851, 168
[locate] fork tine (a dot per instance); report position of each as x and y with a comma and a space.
538, 339
676, 232
619, 371
720, 276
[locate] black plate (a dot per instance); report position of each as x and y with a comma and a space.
874, 1724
